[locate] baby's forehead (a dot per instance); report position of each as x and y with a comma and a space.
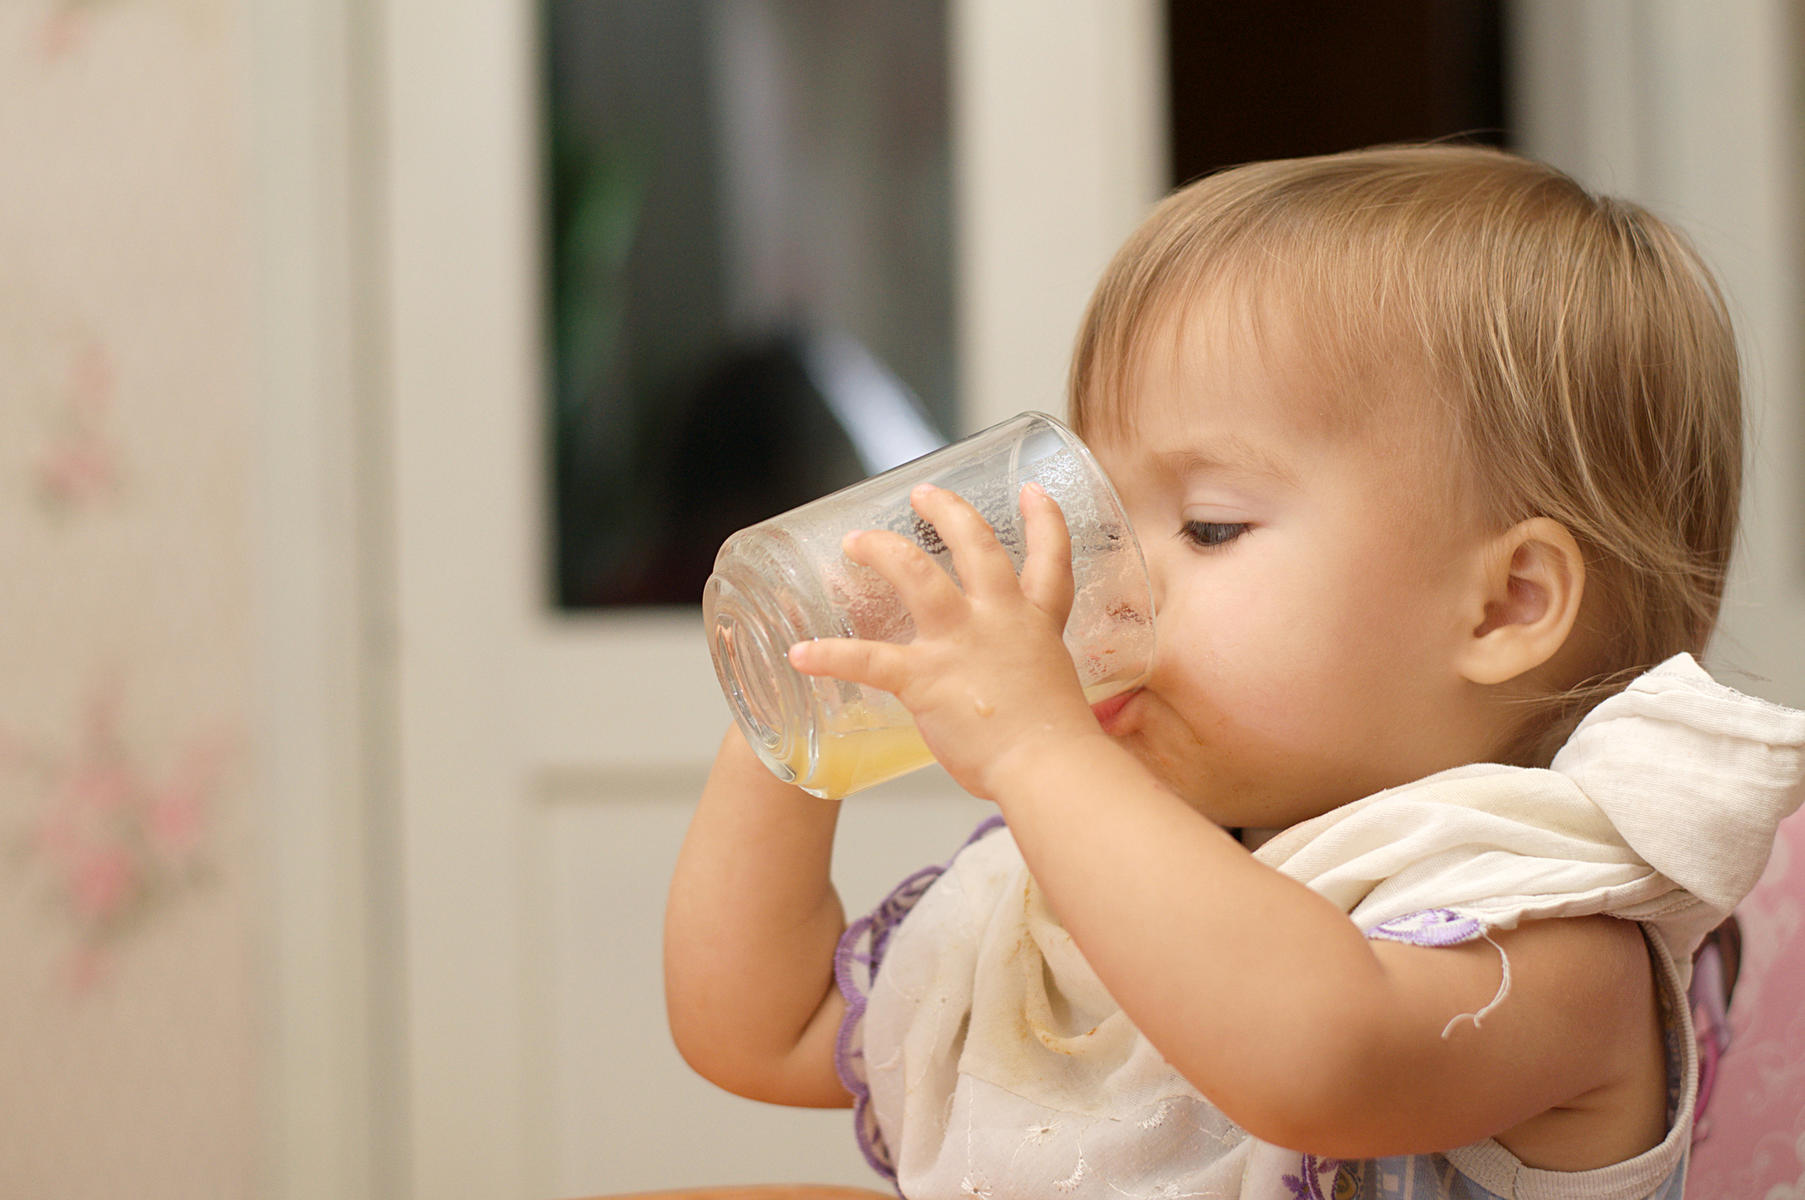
1287, 363
1267, 391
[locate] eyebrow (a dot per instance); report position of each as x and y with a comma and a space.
1228, 456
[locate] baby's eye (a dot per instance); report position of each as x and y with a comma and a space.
1209, 534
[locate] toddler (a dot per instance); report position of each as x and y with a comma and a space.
1387, 880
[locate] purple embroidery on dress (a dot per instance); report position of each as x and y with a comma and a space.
1313, 1173
873, 933
1434, 927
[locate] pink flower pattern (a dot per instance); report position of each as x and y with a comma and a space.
81, 464
116, 844
66, 26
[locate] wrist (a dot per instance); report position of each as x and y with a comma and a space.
1058, 758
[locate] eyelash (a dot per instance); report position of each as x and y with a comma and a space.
1211, 535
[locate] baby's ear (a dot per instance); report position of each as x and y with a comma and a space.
1531, 581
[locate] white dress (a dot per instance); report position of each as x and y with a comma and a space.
989, 1061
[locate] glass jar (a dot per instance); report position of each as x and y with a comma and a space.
785, 580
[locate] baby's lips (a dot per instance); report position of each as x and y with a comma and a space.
1107, 710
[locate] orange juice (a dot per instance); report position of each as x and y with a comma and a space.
862, 748
853, 755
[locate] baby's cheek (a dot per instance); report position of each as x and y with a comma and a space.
1302, 686
1283, 722
1266, 696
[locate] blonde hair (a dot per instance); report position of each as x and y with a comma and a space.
1580, 347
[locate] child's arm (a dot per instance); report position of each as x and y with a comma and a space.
1258, 990
750, 931
1307, 1034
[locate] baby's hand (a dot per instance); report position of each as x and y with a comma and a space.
988, 677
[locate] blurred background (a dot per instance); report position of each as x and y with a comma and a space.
378, 379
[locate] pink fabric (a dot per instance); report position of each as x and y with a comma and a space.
1751, 1138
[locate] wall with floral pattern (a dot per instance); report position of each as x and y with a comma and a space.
126, 998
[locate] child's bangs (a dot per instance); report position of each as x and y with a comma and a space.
1278, 283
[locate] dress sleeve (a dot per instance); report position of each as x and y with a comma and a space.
1436, 928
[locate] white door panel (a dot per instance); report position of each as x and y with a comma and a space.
612, 1103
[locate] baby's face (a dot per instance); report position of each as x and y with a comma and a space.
1311, 575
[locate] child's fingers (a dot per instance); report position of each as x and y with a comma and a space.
928, 592
1047, 571
874, 664
981, 561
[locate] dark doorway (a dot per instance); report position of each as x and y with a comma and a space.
1282, 78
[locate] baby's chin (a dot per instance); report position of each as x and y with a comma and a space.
1214, 793
1178, 773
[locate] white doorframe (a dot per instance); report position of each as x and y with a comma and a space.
329, 1120
462, 310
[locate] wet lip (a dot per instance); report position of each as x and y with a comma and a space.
1106, 711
